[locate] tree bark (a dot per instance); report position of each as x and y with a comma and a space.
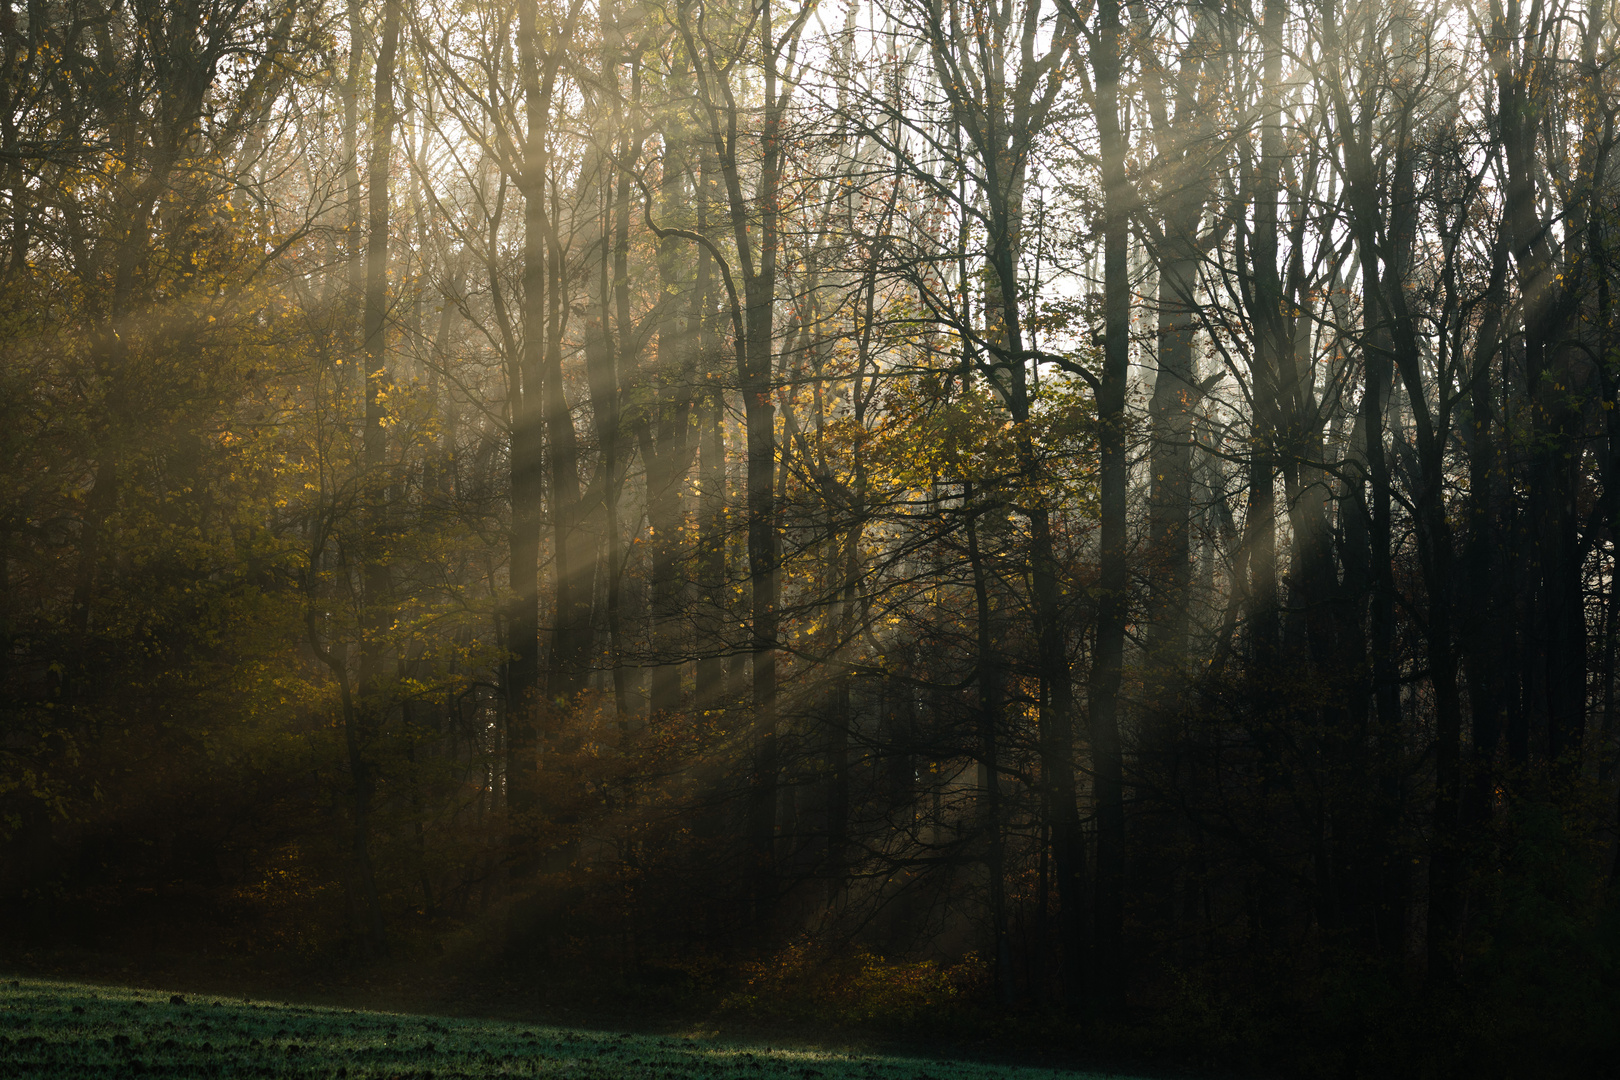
1107, 981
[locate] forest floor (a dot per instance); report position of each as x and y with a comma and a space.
456, 983
55, 1030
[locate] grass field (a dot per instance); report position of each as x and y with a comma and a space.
51, 1030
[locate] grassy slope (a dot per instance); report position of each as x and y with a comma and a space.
57, 1030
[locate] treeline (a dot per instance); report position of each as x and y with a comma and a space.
1124, 491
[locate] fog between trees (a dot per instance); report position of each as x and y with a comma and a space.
1128, 492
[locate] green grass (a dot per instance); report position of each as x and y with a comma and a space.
51, 1030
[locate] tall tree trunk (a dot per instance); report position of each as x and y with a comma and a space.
1554, 671
376, 598
621, 351
572, 557
525, 379
1272, 339
755, 357
991, 681
1176, 391
709, 683
1373, 489
1108, 980
601, 379
667, 452
1484, 627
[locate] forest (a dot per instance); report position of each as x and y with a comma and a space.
1092, 522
